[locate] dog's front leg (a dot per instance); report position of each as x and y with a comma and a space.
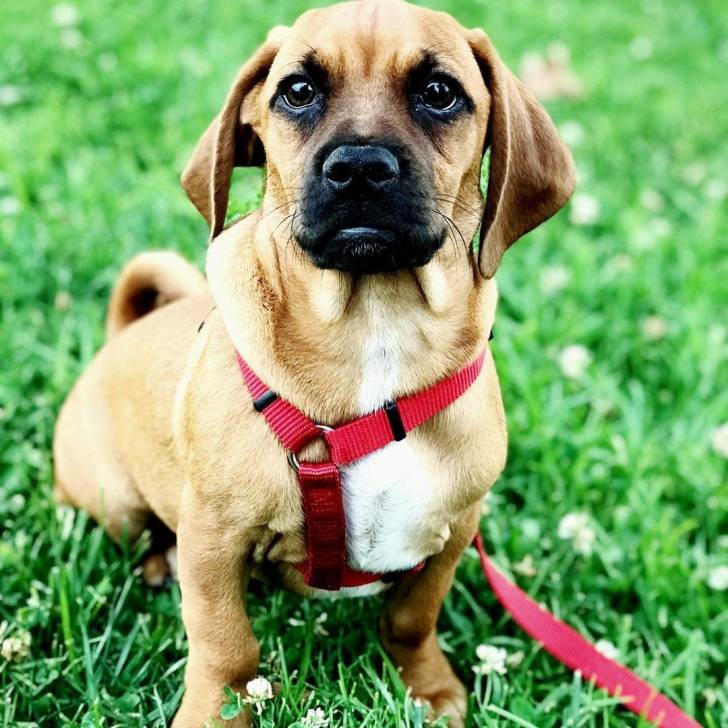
409, 622
213, 578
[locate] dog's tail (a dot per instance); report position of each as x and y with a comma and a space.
150, 281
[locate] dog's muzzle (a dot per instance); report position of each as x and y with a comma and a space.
365, 210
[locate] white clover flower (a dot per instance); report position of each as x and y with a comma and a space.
622, 263
531, 528
515, 659
694, 173
17, 503
17, 648
654, 328
63, 301
318, 628
559, 53
718, 578
717, 334
9, 206
259, 690
554, 279
584, 541
64, 15
526, 567
315, 718
584, 209
575, 527
719, 440
652, 200
71, 38
574, 361
643, 239
108, 62
716, 190
492, 660
641, 48
661, 227
10, 95
572, 132
650, 234
608, 649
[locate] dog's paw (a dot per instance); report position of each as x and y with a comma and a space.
159, 569
450, 702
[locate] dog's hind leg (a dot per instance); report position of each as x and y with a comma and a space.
408, 628
89, 474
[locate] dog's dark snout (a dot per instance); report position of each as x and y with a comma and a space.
360, 166
362, 212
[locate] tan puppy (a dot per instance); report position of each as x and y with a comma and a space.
353, 284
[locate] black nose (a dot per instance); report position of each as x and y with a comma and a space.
351, 166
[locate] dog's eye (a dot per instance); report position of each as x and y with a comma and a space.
439, 94
299, 93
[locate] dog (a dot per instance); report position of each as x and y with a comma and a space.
354, 284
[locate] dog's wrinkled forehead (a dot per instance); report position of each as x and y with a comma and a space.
369, 42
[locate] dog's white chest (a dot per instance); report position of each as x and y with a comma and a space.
387, 493
386, 497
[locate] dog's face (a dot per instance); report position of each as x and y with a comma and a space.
372, 118
369, 122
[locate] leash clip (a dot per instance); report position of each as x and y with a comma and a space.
293, 459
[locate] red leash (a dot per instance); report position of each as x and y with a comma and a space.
572, 650
323, 507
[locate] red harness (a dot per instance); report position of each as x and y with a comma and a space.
323, 505
326, 568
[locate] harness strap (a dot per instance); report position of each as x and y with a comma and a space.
577, 653
321, 493
325, 537
290, 425
357, 439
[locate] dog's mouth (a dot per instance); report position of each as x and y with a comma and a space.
365, 250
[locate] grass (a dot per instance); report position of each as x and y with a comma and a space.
108, 111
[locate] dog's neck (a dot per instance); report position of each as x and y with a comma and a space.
336, 346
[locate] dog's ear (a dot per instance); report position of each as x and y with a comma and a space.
229, 141
531, 174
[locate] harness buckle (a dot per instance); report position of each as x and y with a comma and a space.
293, 459
395, 421
265, 400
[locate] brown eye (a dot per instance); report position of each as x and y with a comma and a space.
300, 93
438, 94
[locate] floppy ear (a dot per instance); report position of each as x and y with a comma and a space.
228, 142
531, 173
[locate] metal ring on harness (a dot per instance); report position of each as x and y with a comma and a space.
293, 460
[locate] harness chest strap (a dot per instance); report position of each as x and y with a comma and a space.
323, 506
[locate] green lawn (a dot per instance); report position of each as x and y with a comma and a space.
97, 118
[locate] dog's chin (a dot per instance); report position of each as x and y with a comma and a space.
368, 250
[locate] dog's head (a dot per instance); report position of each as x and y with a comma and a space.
372, 119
